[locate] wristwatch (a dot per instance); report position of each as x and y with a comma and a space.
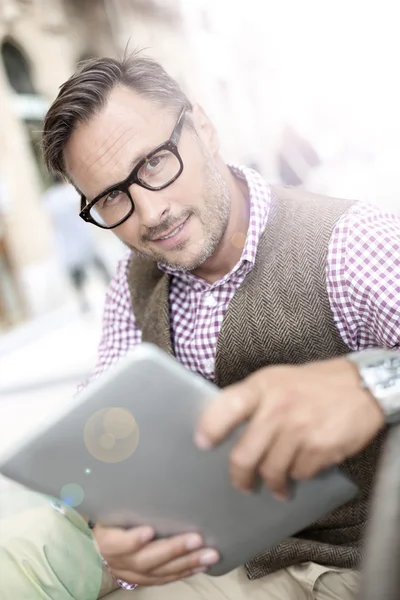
380, 374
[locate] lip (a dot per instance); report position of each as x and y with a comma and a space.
175, 239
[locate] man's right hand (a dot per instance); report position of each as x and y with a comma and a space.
135, 557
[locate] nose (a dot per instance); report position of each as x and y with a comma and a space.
151, 207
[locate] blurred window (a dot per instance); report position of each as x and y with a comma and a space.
17, 68
29, 105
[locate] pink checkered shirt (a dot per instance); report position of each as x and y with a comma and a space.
362, 280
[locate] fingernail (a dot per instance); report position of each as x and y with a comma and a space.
209, 557
147, 534
242, 488
281, 496
194, 541
202, 441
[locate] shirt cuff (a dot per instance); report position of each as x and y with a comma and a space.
126, 586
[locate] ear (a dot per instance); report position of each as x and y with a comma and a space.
205, 130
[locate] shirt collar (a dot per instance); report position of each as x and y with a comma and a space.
260, 202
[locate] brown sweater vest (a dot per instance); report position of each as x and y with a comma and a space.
280, 315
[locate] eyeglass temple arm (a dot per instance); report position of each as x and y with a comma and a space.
176, 134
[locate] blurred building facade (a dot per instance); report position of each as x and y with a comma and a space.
229, 56
41, 42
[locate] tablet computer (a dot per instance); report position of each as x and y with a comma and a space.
122, 453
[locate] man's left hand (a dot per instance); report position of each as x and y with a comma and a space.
300, 419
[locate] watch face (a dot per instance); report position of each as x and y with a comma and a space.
381, 375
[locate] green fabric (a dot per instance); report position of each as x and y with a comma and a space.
45, 553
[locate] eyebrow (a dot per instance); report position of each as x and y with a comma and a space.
138, 157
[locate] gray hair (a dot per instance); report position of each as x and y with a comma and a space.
87, 91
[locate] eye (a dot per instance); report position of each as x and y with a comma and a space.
110, 199
154, 162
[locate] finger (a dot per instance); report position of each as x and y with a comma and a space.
275, 468
309, 462
117, 542
233, 406
158, 553
253, 445
194, 561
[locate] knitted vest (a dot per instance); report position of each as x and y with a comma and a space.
279, 315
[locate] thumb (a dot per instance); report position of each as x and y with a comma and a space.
112, 541
233, 406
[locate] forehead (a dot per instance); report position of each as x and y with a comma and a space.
100, 152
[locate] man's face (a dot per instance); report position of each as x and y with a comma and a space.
196, 206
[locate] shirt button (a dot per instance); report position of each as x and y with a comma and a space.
210, 300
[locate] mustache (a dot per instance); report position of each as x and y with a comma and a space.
167, 225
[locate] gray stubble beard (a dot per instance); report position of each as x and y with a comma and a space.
214, 218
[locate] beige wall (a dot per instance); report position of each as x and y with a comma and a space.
53, 37
22, 182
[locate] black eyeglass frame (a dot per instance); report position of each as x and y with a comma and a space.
171, 144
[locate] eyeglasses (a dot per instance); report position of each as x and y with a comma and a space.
156, 171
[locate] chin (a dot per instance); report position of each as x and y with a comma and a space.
185, 257
182, 261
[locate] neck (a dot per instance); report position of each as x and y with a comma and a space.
231, 246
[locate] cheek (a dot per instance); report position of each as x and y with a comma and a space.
187, 191
194, 165
128, 232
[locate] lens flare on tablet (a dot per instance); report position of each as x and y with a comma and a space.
111, 435
72, 494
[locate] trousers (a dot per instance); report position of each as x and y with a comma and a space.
47, 552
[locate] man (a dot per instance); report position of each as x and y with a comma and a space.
249, 286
